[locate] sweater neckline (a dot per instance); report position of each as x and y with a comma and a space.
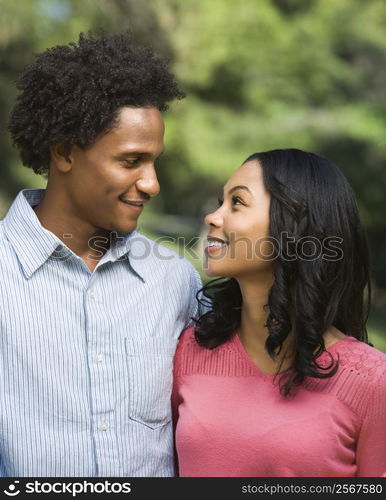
242, 351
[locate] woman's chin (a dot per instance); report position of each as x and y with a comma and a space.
213, 272
210, 272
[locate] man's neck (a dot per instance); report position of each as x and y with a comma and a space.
86, 241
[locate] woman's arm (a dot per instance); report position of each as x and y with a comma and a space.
371, 446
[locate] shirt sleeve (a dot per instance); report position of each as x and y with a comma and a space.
195, 309
371, 446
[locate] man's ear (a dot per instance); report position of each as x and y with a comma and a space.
61, 157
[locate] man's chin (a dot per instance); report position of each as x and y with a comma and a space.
122, 226
126, 228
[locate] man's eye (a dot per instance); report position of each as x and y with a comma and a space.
131, 162
220, 201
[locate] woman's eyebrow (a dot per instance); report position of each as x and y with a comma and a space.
245, 188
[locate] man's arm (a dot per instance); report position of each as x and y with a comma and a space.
195, 310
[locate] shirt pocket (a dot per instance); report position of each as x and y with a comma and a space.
150, 366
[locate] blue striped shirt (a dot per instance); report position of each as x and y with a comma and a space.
86, 357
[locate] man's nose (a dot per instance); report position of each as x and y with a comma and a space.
148, 182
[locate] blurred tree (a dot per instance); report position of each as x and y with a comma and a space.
272, 74
260, 74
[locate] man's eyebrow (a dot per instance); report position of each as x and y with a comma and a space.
135, 152
245, 188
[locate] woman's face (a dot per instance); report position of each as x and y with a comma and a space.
237, 244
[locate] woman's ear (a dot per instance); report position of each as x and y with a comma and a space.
61, 157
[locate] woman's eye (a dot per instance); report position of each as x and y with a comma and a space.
236, 201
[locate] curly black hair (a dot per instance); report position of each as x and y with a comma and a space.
310, 200
72, 93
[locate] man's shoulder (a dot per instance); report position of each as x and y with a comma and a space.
3, 239
160, 254
8, 262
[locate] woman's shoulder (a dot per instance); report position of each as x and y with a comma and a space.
361, 377
193, 358
186, 337
186, 340
187, 344
359, 357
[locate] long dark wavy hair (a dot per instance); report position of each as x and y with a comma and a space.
313, 204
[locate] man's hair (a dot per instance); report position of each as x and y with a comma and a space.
72, 93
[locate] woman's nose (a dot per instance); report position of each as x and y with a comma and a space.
214, 219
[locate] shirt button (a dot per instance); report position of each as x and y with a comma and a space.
91, 294
104, 426
99, 358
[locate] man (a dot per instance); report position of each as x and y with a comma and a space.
90, 310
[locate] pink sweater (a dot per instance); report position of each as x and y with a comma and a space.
232, 421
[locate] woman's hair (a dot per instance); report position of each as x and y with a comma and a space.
73, 93
321, 269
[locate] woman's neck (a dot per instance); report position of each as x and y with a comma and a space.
253, 331
254, 310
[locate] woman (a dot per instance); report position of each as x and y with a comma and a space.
277, 378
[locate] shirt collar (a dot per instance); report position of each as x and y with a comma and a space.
133, 247
34, 244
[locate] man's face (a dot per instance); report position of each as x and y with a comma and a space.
111, 180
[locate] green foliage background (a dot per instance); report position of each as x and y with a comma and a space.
260, 74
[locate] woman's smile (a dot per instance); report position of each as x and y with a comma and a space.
214, 244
